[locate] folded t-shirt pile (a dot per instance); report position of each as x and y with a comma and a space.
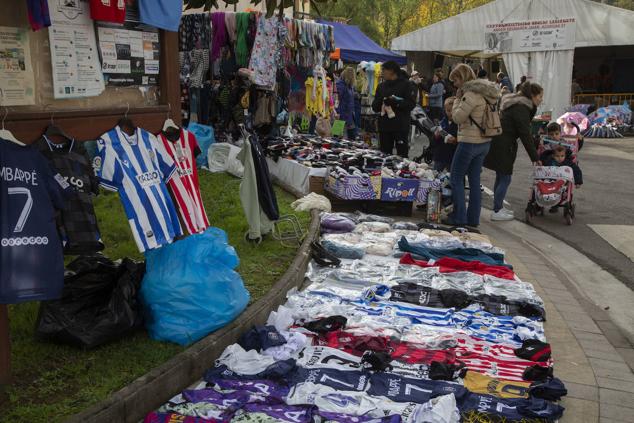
411, 326
345, 158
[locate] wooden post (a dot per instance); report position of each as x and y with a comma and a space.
169, 79
5, 346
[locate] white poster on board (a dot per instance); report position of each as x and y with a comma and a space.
74, 55
537, 35
16, 73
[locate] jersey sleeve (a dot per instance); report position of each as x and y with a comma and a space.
105, 166
165, 162
193, 144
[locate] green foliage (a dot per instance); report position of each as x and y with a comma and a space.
53, 382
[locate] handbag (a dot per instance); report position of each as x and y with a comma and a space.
323, 127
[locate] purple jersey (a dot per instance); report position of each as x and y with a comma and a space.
155, 417
344, 418
283, 413
265, 388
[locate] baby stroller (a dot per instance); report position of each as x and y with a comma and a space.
552, 187
423, 124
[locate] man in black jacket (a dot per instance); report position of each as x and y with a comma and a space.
395, 99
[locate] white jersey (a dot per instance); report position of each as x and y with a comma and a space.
331, 358
438, 410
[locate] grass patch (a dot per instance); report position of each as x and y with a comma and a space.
52, 382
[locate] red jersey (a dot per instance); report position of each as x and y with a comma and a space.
108, 10
450, 265
185, 187
401, 351
495, 360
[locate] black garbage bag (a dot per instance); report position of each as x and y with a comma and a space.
99, 303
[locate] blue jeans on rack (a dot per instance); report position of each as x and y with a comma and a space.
502, 183
467, 161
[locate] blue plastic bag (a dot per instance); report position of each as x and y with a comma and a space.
190, 288
205, 136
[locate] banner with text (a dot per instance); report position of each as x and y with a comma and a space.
537, 35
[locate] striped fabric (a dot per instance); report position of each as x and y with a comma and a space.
185, 185
138, 168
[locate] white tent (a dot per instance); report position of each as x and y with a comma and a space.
597, 25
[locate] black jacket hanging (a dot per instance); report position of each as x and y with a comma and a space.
266, 194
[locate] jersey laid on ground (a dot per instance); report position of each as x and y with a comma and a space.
331, 358
351, 402
185, 187
31, 258
108, 10
77, 223
138, 167
482, 384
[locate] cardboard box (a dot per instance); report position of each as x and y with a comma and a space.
424, 188
355, 187
399, 189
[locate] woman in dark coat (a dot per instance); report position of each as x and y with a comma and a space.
516, 113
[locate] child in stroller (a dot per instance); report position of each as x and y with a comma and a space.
553, 182
558, 152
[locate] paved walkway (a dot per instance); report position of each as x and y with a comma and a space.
592, 356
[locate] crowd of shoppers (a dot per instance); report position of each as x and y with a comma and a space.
460, 143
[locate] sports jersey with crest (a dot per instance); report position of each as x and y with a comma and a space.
138, 168
185, 185
31, 258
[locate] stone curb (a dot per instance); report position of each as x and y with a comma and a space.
150, 391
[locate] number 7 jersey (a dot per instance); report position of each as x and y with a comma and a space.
138, 167
31, 258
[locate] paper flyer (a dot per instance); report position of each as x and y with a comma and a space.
16, 73
74, 55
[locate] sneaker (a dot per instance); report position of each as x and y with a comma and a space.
502, 215
508, 211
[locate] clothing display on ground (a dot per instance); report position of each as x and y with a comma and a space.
382, 337
183, 150
31, 256
77, 223
138, 167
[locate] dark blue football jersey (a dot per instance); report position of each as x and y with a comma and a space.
31, 258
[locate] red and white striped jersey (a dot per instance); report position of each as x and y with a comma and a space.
185, 187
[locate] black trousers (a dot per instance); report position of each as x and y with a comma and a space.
398, 139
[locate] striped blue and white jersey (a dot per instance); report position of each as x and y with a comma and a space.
138, 168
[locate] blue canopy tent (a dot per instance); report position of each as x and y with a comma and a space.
356, 47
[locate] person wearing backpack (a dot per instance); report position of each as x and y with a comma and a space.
516, 113
475, 112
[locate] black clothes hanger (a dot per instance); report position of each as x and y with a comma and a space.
126, 124
54, 133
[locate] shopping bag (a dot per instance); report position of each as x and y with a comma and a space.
338, 127
191, 288
205, 136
